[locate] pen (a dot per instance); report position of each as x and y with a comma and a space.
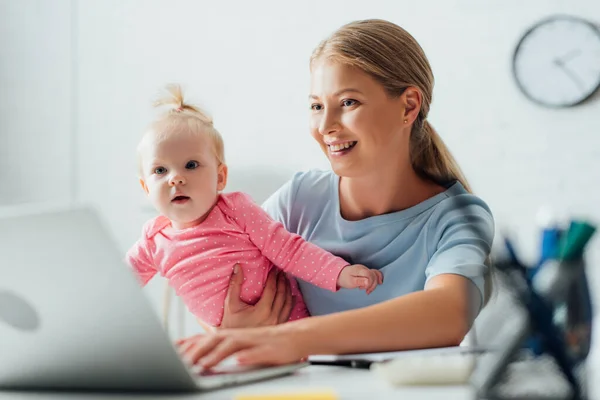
549, 246
574, 241
360, 364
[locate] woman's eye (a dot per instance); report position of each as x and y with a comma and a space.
160, 170
348, 103
192, 165
316, 107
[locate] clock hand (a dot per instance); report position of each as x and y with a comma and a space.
560, 64
572, 54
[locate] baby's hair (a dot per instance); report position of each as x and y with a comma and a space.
174, 101
182, 117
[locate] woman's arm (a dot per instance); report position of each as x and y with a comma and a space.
438, 316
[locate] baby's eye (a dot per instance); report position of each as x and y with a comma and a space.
349, 103
160, 170
316, 107
192, 165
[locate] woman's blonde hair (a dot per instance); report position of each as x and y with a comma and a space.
393, 58
182, 117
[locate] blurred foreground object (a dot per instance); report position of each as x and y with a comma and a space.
551, 309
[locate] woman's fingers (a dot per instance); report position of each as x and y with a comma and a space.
221, 351
233, 302
181, 341
258, 346
201, 347
186, 349
286, 310
269, 292
279, 296
266, 311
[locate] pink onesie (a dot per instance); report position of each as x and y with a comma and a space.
198, 261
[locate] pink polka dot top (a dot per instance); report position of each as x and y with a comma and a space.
198, 261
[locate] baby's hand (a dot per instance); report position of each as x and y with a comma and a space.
359, 276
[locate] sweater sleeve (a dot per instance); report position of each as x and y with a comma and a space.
286, 250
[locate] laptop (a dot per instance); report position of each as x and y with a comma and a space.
74, 317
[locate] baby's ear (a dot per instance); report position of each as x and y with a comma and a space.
221, 177
144, 186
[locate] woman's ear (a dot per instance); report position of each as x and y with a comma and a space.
411, 99
144, 186
221, 177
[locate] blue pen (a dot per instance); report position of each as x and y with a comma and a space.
549, 246
550, 238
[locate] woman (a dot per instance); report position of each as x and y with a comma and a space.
395, 201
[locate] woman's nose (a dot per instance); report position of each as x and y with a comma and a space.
329, 124
177, 180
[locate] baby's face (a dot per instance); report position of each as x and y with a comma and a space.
182, 177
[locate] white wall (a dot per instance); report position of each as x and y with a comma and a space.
35, 101
247, 64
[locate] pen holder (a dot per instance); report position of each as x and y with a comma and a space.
555, 307
579, 316
565, 285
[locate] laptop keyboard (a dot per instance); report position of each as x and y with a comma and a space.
223, 370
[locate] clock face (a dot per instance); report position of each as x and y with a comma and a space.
557, 62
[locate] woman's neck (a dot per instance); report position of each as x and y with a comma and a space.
386, 191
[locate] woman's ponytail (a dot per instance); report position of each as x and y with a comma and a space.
431, 159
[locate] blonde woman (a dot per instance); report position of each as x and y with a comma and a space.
395, 201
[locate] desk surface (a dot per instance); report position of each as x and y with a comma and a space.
348, 384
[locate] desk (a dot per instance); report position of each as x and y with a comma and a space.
349, 384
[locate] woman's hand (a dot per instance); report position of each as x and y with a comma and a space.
273, 345
274, 307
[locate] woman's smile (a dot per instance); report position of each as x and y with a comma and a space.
341, 148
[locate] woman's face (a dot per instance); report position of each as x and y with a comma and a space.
358, 126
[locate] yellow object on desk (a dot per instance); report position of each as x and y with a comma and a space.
314, 395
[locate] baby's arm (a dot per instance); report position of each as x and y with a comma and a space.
292, 253
139, 259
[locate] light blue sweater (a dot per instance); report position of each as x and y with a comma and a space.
451, 232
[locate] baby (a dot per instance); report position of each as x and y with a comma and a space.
202, 233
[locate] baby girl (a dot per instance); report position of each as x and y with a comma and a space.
201, 233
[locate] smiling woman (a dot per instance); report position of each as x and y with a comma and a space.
395, 201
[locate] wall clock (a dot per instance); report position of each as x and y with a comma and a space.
557, 61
